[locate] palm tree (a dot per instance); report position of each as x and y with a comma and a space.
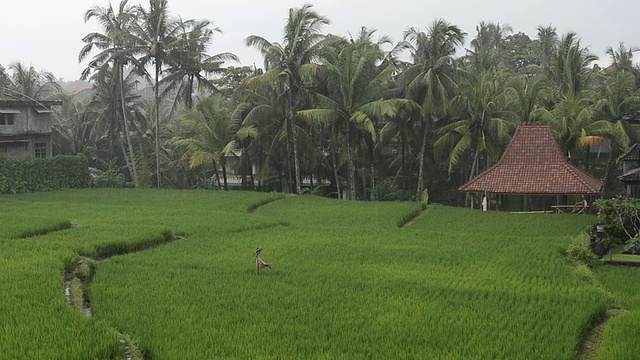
483, 122
291, 60
72, 128
547, 48
486, 46
572, 68
622, 58
357, 78
115, 54
33, 84
262, 105
574, 120
188, 62
153, 37
528, 93
210, 134
429, 80
107, 129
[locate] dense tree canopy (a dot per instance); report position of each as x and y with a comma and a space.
341, 116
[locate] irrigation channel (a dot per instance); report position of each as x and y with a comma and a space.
80, 272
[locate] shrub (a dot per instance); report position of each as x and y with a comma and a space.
35, 175
620, 218
580, 252
387, 191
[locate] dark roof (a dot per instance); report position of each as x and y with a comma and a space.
632, 155
9, 100
533, 163
631, 176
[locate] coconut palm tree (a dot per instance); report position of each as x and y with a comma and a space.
107, 130
528, 93
574, 119
263, 106
153, 37
292, 61
115, 53
483, 122
210, 134
572, 68
33, 84
189, 64
357, 78
428, 81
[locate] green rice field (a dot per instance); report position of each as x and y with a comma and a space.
348, 282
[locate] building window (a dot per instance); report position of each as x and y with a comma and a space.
6, 119
41, 150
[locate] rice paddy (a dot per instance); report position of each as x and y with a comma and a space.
347, 283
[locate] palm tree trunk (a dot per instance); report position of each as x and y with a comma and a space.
335, 163
423, 149
335, 174
159, 178
372, 166
224, 174
215, 168
134, 171
352, 175
296, 160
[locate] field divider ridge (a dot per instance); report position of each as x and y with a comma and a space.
80, 271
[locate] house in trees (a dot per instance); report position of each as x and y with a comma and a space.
25, 127
534, 175
631, 169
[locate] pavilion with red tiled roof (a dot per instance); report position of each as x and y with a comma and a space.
533, 164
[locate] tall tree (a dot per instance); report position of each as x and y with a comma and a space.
115, 53
33, 84
189, 64
428, 81
210, 135
292, 61
153, 37
483, 122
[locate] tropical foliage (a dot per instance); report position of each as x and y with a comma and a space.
331, 114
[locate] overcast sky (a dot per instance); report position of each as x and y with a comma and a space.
48, 34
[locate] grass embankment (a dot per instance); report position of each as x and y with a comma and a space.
348, 283
621, 336
37, 322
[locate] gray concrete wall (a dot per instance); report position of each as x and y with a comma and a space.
27, 122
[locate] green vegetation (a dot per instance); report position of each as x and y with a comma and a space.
33, 175
347, 282
369, 116
622, 333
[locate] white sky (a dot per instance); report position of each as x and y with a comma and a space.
48, 34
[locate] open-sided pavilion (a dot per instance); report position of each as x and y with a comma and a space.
533, 165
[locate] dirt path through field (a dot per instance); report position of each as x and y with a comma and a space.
589, 346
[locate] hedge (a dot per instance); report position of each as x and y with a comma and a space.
34, 175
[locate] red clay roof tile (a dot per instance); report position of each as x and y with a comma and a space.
533, 163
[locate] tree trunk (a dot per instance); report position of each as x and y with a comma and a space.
250, 165
158, 177
133, 168
296, 161
352, 175
224, 175
364, 182
373, 180
335, 163
215, 168
423, 149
